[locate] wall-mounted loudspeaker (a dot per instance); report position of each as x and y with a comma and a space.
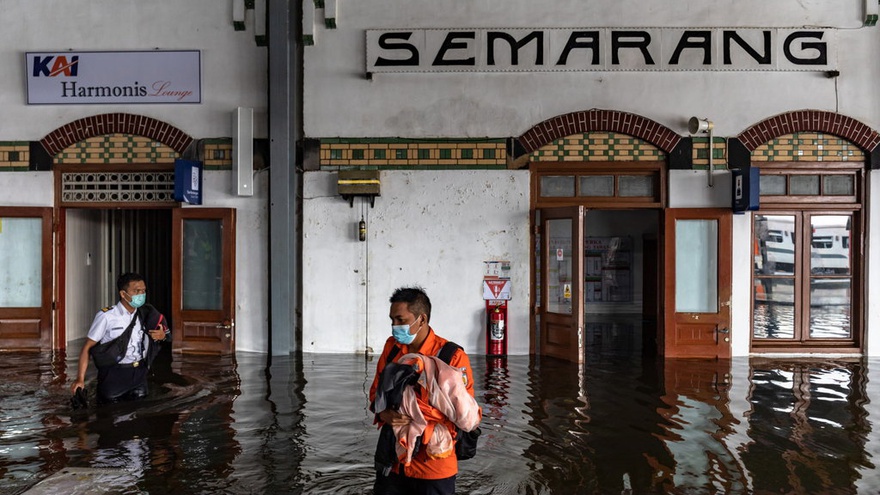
243, 151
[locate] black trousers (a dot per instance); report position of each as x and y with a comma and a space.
400, 484
119, 383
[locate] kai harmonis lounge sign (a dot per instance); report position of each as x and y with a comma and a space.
160, 76
600, 49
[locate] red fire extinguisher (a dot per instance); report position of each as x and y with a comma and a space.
496, 336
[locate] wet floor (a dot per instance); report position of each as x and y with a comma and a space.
301, 425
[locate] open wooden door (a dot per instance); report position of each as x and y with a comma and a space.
561, 310
203, 280
26, 278
697, 288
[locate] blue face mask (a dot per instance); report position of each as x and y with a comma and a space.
401, 333
137, 300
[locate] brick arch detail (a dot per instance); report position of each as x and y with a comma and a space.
810, 121
599, 120
116, 123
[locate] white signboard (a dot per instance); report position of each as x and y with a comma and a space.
66, 78
601, 49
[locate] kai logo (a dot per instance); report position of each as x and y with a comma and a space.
56, 65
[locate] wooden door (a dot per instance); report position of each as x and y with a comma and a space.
561, 310
26, 278
697, 270
203, 280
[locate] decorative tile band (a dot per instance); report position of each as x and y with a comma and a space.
808, 147
598, 147
700, 155
402, 153
216, 153
14, 155
117, 148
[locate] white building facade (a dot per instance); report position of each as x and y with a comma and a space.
94, 120
591, 105
593, 152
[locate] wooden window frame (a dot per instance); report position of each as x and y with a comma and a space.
655, 169
803, 208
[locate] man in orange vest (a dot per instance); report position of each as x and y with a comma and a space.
410, 314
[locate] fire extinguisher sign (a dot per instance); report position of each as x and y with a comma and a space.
496, 289
496, 280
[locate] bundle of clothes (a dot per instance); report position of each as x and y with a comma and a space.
427, 390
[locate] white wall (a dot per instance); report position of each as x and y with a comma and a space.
234, 69
506, 104
428, 228
27, 188
872, 284
251, 254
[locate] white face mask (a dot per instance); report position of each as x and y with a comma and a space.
401, 333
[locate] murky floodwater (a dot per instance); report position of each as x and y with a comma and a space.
213, 425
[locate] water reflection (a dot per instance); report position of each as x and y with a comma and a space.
619, 424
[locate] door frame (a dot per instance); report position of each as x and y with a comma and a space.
568, 346
44, 338
204, 331
691, 334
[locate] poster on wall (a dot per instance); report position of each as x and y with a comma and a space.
72, 77
608, 269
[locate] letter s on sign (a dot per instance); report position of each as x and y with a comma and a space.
396, 41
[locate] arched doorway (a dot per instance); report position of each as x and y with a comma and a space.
598, 191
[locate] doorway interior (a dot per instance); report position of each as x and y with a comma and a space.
621, 277
99, 245
613, 273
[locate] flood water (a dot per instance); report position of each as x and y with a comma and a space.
619, 424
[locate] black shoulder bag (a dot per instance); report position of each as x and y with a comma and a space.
110, 353
465, 441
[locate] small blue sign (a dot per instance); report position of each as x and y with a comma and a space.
746, 189
188, 181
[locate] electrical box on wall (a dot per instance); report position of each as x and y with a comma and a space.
351, 183
746, 189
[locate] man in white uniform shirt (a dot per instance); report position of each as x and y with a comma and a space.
127, 379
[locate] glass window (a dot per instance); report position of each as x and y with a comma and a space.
803, 298
830, 307
202, 264
557, 186
597, 185
772, 185
21, 254
838, 185
696, 266
636, 186
559, 266
829, 249
774, 245
805, 185
771, 320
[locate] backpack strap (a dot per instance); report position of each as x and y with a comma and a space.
447, 351
393, 352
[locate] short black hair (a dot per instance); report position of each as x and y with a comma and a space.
417, 301
127, 278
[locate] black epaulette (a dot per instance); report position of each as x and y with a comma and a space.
108, 308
